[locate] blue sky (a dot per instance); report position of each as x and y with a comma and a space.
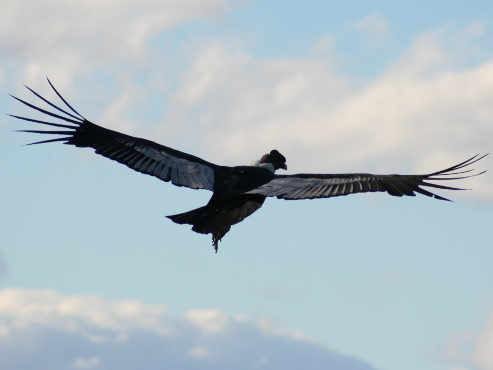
90, 267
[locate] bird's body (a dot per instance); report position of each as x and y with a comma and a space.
229, 203
237, 191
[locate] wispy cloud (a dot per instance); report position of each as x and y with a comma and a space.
476, 29
482, 355
86, 363
427, 110
110, 29
83, 332
65, 39
473, 349
374, 27
424, 112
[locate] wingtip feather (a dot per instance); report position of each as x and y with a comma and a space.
63, 99
49, 140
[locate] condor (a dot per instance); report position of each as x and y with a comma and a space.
237, 191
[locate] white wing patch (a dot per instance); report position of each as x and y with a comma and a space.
306, 188
180, 171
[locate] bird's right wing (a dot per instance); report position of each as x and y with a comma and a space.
311, 186
141, 155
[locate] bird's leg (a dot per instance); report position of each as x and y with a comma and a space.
215, 242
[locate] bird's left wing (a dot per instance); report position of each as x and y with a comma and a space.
311, 186
141, 155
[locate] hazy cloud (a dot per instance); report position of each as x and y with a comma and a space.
86, 363
100, 28
458, 350
374, 26
482, 355
476, 29
82, 332
63, 38
426, 111
472, 349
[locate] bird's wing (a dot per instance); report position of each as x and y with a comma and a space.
311, 186
141, 155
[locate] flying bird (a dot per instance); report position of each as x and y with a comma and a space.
237, 191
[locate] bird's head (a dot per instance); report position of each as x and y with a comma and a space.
276, 159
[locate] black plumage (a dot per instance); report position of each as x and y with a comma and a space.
237, 191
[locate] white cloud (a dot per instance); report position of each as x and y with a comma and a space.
426, 111
50, 328
63, 39
482, 355
472, 349
476, 29
457, 351
325, 46
210, 321
375, 26
86, 363
24, 309
96, 41
101, 28
198, 352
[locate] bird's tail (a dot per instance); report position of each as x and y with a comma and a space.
193, 217
204, 221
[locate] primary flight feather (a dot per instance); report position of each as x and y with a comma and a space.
237, 191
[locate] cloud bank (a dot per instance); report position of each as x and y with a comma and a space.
99, 28
65, 39
430, 108
425, 111
82, 332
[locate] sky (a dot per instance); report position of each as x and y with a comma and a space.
93, 276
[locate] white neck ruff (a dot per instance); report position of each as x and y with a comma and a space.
267, 166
